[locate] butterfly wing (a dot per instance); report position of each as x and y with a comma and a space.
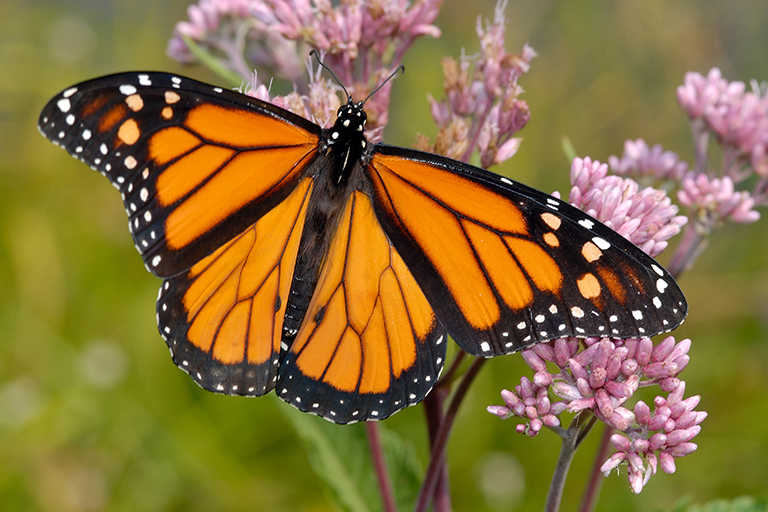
506, 266
196, 165
370, 343
223, 318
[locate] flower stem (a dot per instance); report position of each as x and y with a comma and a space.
571, 441
595, 482
689, 249
433, 406
437, 457
380, 466
212, 62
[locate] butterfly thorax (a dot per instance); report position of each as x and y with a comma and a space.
343, 150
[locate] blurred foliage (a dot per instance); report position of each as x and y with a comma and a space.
93, 414
741, 504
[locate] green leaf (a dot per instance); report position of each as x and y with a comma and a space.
341, 457
740, 504
212, 62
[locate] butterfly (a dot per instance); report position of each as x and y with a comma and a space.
330, 269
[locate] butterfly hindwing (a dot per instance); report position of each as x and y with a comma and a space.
223, 319
370, 344
195, 164
506, 266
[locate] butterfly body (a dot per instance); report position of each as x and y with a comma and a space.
330, 269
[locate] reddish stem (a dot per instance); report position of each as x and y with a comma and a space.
437, 457
595, 482
380, 466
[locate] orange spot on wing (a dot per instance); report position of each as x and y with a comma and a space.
171, 143
129, 132
112, 117
591, 252
588, 285
90, 108
613, 283
171, 97
167, 112
551, 220
134, 102
551, 239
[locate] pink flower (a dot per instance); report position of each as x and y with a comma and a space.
601, 377
646, 217
714, 200
485, 98
739, 118
639, 160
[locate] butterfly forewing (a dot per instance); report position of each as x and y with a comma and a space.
195, 164
506, 266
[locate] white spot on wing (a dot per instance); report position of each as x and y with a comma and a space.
64, 104
601, 243
127, 89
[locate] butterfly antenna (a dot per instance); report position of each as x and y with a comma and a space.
316, 56
400, 69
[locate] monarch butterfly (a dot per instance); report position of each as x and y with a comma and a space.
312, 262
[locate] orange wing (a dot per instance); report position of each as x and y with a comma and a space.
223, 319
195, 164
370, 344
505, 266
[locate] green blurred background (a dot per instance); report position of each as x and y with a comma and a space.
94, 415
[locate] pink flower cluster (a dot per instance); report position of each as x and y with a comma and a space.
713, 200
646, 217
362, 41
739, 118
666, 431
739, 121
482, 109
641, 161
601, 378
320, 105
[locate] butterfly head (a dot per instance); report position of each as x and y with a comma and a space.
350, 119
